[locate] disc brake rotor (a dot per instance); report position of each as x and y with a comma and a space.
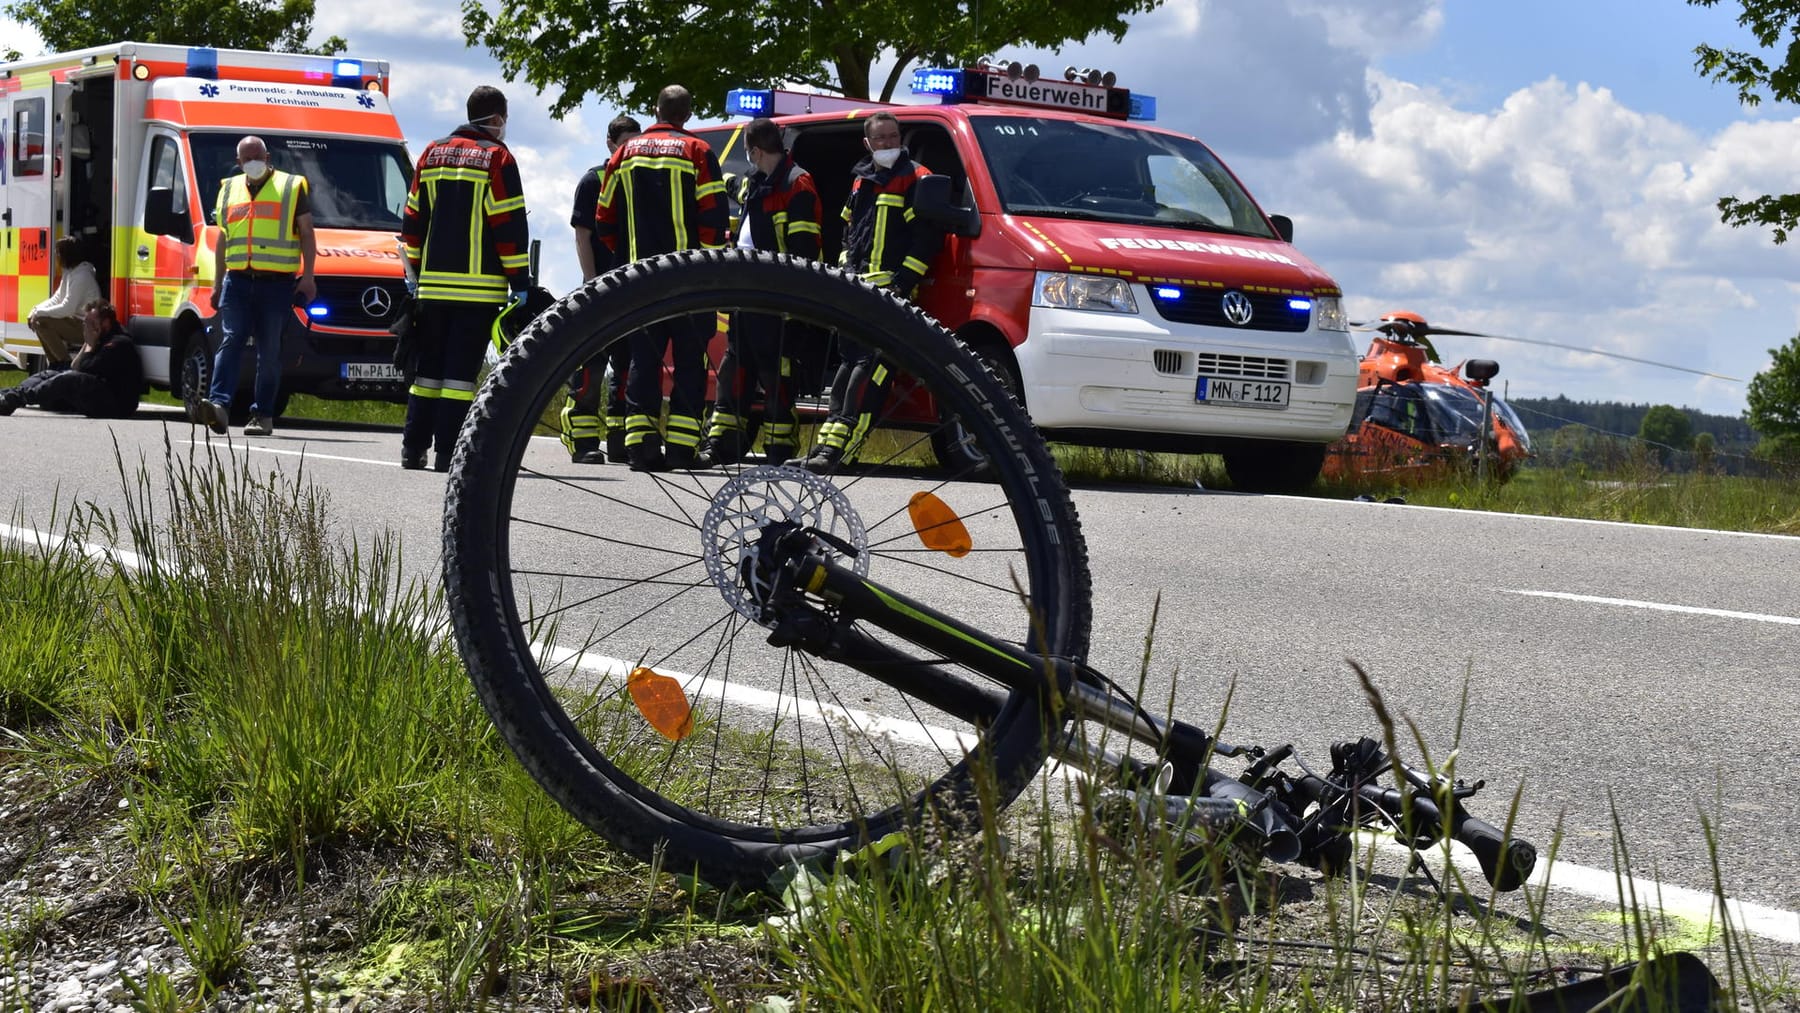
757, 498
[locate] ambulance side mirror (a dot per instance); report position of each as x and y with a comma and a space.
162, 219
1284, 227
931, 201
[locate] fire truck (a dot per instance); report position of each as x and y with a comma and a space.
123, 147
1115, 275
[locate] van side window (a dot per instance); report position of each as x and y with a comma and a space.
165, 171
30, 134
931, 146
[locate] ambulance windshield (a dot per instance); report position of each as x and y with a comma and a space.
355, 183
1114, 173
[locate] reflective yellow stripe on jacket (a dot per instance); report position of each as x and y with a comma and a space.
260, 234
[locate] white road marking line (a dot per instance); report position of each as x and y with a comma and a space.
308, 454
1597, 884
1656, 606
1465, 512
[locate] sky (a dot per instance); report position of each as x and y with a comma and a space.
1533, 168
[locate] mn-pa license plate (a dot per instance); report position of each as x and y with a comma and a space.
1243, 393
370, 371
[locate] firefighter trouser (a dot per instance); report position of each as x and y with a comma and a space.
684, 340
858, 394
581, 422
453, 337
757, 355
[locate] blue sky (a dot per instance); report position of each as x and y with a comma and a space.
1532, 168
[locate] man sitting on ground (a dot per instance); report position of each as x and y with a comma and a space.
104, 382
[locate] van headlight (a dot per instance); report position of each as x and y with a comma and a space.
1328, 313
1083, 292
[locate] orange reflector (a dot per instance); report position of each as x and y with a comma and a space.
938, 526
660, 700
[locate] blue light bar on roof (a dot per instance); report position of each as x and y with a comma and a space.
346, 74
749, 102
1143, 107
944, 83
203, 62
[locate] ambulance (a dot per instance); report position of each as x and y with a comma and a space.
1116, 276
124, 147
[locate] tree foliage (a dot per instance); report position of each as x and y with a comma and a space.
1666, 428
1776, 26
1774, 395
626, 52
279, 25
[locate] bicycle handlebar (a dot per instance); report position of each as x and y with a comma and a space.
1505, 862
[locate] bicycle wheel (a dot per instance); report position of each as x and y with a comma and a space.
614, 631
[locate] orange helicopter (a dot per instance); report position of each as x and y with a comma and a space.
1416, 417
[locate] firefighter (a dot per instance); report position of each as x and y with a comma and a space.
263, 259
887, 246
581, 426
663, 193
781, 213
466, 239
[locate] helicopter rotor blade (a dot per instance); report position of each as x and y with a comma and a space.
1453, 332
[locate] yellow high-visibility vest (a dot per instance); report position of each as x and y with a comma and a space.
260, 234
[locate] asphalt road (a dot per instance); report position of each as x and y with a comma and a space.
1603, 669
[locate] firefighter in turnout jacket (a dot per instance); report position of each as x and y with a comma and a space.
581, 425
781, 213
887, 245
663, 193
466, 238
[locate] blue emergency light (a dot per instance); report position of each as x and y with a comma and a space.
1300, 305
1143, 107
318, 310
1168, 292
203, 62
749, 102
947, 83
346, 74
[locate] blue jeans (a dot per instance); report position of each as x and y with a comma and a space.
252, 307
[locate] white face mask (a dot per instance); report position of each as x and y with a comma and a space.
255, 169
886, 157
496, 126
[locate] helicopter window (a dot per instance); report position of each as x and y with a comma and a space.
1455, 412
1399, 407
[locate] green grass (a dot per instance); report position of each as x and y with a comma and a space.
292, 742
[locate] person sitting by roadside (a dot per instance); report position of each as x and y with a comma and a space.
104, 382
57, 320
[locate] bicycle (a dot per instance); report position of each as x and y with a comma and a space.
732, 671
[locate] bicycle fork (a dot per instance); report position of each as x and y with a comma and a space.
1183, 790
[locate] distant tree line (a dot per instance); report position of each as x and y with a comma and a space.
1610, 435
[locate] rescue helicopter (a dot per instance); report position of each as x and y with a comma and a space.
1417, 419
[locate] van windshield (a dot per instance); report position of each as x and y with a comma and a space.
355, 183
1114, 173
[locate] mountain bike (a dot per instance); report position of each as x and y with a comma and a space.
734, 670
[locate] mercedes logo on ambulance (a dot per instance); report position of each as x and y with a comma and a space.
376, 302
1237, 307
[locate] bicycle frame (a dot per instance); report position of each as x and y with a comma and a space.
1182, 789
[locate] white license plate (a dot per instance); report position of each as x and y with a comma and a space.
1244, 393
370, 371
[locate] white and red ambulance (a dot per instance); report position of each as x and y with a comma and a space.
1116, 275
124, 146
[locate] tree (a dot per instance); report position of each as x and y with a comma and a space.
1705, 451
1776, 26
627, 52
1774, 396
1668, 429
281, 25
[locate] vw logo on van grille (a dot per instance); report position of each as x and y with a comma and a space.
1237, 307
376, 302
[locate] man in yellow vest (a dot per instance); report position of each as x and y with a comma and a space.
262, 259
